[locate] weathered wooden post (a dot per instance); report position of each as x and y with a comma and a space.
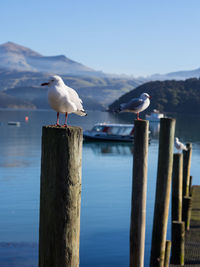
139, 185
167, 253
178, 239
161, 208
186, 169
177, 187
187, 209
60, 196
190, 187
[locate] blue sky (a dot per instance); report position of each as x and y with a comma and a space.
140, 37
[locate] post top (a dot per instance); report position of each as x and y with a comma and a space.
167, 119
61, 128
140, 121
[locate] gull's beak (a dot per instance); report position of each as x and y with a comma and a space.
43, 84
150, 97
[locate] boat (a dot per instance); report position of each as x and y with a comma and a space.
15, 123
110, 132
155, 116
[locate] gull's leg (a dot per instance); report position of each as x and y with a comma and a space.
65, 125
57, 123
138, 117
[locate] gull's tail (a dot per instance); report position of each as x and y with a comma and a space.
81, 113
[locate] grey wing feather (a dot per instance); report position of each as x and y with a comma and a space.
74, 97
132, 105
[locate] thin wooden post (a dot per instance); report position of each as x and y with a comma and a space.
178, 239
60, 195
161, 208
186, 169
139, 185
190, 187
177, 187
187, 208
167, 253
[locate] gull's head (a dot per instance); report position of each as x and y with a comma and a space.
53, 81
176, 139
145, 96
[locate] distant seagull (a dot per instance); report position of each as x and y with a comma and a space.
136, 105
63, 98
179, 146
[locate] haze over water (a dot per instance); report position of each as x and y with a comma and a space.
106, 188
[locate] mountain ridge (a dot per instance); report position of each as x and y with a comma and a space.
20, 58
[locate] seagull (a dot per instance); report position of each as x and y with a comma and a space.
63, 99
136, 105
179, 146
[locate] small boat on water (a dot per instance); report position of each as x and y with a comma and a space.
15, 123
110, 132
155, 116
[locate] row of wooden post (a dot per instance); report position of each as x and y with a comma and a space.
181, 203
168, 163
60, 196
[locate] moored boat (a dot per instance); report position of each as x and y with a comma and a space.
110, 132
15, 123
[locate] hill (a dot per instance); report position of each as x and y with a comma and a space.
37, 98
99, 90
7, 101
20, 58
167, 96
21, 67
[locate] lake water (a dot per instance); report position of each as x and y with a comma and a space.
106, 188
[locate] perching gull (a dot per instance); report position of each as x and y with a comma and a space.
63, 99
136, 105
179, 146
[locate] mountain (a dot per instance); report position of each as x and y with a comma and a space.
7, 101
178, 75
95, 91
23, 69
37, 97
20, 58
167, 96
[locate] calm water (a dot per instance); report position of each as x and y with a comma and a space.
106, 188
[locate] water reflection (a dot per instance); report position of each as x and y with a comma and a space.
154, 127
110, 148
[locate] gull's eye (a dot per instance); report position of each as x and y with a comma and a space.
52, 80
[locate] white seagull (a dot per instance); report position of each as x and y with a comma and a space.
63, 99
179, 146
136, 105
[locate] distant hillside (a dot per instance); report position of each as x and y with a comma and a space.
178, 75
95, 89
20, 58
7, 101
167, 96
37, 98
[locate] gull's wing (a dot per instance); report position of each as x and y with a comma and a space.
132, 105
74, 97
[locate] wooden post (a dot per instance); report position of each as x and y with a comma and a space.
186, 169
178, 238
177, 187
60, 196
167, 253
187, 209
161, 208
138, 205
190, 187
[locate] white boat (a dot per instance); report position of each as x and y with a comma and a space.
110, 132
15, 123
155, 116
